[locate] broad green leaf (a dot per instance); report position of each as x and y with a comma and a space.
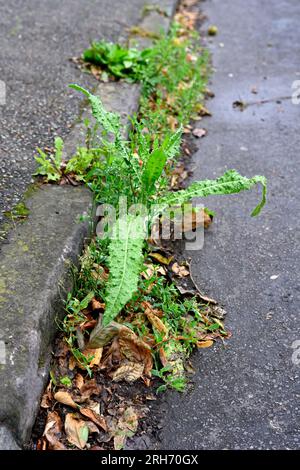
157, 161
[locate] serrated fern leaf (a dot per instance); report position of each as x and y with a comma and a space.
110, 122
125, 260
171, 144
231, 182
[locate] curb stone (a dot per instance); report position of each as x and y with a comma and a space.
35, 271
7, 442
35, 276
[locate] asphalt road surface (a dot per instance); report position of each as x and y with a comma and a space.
37, 40
246, 395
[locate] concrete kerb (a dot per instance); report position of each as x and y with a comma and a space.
35, 272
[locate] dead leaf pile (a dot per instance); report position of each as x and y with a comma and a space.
88, 414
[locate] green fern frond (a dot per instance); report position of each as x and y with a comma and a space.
110, 122
231, 182
125, 261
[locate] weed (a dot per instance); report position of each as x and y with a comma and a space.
50, 164
119, 61
173, 74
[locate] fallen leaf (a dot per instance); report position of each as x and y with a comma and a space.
173, 122
105, 335
130, 372
96, 305
191, 219
94, 406
97, 419
47, 397
126, 427
96, 71
78, 381
202, 110
41, 444
180, 271
205, 344
65, 398
162, 259
156, 322
163, 357
90, 388
148, 272
134, 349
77, 430
161, 270
97, 353
199, 132
53, 430
93, 429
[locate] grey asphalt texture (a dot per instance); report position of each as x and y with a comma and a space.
246, 395
37, 40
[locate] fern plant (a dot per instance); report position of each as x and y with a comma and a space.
127, 241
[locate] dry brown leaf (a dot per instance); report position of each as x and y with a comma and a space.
180, 271
90, 388
205, 344
94, 406
162, 259
156, 322
199, 132
96, 418
161, 270
97, 353
96, 71
193, 219
92, 427
77, 430
173, 122
130, 372
113, 355
126, 427
47, 397
41, 444
52, 431
134, 349
163, 357
78, 381
202, 110
65, 398
148, 272
96, 305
